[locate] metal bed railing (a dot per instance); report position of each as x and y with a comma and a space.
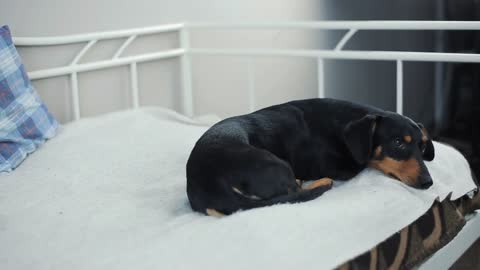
184, 51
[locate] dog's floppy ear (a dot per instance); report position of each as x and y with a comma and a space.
429, 152
358, 136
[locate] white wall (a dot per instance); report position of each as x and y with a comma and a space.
220, 82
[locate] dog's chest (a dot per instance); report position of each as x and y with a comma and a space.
323, 158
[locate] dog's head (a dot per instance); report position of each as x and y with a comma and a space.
393, 144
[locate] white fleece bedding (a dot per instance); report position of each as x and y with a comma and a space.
109, 193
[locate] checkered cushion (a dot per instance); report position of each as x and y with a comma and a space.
25, 122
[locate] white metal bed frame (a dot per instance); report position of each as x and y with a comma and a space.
443, 258
185, 51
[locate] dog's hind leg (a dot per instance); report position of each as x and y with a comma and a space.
214, 213
320, 182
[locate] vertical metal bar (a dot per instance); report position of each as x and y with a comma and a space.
251, 85
134, 84
399, 86
186, 70
320, 78
75, 96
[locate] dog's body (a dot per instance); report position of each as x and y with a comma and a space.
254, 160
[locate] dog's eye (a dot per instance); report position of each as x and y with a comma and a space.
397, 142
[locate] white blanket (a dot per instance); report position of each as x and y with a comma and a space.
109, 193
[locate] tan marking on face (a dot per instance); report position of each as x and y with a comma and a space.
214, 213
378, 151
318, 183
406, 170
407, 138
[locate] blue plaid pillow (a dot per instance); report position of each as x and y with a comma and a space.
25, 122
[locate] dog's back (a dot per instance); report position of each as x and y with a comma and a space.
253, 160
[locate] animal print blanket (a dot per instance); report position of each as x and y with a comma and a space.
416, 242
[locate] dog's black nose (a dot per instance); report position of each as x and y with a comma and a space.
426, 184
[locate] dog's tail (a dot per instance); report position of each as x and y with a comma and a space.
301, 196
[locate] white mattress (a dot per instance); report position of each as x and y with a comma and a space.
109, 193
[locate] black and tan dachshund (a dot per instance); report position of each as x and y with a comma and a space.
254, 160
